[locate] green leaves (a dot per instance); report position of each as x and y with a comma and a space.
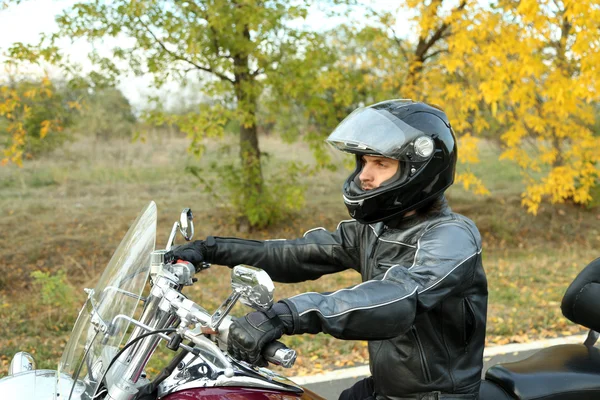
240, 50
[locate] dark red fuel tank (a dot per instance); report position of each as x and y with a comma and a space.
239, 393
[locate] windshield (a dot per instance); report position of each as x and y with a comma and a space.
95, 338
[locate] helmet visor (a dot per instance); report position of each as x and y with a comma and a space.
373, 131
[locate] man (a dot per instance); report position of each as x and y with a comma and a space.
422, 303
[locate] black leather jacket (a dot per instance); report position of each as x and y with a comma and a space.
422, 304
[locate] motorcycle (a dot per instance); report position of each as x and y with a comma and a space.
94, 365
562, 372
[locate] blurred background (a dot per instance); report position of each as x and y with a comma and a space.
223, 106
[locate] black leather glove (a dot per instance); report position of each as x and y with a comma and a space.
194, 252
249, 335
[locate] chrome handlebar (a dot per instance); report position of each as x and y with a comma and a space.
166, 307
166, 298
279, 354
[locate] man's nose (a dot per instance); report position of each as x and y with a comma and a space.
365, 174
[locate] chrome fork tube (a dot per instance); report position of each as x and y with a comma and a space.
156, 315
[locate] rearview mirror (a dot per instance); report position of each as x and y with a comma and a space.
254, 285
186, 224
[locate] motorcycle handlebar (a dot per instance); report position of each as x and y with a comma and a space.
279, 354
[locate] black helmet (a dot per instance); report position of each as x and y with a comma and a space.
417, 135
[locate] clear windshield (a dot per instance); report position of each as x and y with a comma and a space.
96, 338
373, 131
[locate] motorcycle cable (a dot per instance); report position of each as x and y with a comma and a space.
128, 345
164, 374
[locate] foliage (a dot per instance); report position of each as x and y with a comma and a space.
82, 217
30, 111
53, 289
55, 295
30, 114
416, 68
335, 79
237, 48
284, 192
523, 73
535, 65
500, 70
106, 114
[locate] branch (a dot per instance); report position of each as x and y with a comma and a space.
182, 58
557, 5
440, 33
203, 13
395, 36
401, 46
435, 53
424, 46
277, 59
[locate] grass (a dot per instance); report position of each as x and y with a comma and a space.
70, 210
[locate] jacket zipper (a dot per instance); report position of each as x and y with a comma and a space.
370, 260
424, 366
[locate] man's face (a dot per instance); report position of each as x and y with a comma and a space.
375, 170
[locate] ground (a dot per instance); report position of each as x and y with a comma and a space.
65, 214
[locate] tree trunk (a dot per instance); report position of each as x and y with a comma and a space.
250, 151
251, 170
557, 144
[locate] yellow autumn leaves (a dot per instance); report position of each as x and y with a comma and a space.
523, 74
14, 108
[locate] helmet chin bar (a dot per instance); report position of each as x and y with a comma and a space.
394, 198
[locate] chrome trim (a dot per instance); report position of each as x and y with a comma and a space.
137, 323
21, 362
254, 285
171, 240
211, 350
194, 373
155, 317
359, 202
39, 384
223, 310
186, 219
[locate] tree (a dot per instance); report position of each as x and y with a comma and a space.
237, 46
520, 72
106, 114
33, 116
420, 66
336, 78
536, 67
31, 112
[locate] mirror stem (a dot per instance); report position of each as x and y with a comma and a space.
223, 310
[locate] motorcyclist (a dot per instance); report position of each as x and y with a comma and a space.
422, 304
